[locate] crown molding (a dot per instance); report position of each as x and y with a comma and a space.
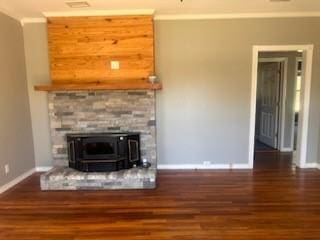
235, 16
158, 17
119, 12
24, 21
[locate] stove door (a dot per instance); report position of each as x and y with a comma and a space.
96, 148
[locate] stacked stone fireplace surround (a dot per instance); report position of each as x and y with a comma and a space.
96, 112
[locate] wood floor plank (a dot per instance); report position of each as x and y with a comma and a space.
260, 204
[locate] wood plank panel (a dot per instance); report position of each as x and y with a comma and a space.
81, 49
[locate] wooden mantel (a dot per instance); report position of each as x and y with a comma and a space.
82, 50
99, 87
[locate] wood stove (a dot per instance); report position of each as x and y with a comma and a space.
103, 152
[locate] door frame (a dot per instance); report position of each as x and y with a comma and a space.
297, 59
305, 98
282, 97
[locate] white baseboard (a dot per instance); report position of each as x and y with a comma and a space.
43, 169
286, 150
202, 167
16, 180
311, 165
241, 166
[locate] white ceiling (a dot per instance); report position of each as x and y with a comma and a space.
35, 8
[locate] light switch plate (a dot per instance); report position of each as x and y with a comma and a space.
115, 65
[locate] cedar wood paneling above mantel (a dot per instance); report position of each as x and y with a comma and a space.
81, 49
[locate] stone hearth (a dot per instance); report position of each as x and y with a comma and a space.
101, 111
64, 178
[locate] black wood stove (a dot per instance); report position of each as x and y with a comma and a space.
103, 152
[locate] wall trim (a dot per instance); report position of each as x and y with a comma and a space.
24, 21
311, 165
235, 16
160, 17
16, 180
286, 149
294, 99
100, 13
22, 177
201, 166
306, 89
43, 169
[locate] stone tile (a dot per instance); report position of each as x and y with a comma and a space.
64, 178
102, 111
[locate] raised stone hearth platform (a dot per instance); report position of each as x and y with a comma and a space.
64, 178
74, 112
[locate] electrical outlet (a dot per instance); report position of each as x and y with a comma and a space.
206, 163
6, 168
115, 65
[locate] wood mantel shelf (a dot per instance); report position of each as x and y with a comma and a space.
98, 86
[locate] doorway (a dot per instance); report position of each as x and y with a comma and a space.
280, 83
270, 105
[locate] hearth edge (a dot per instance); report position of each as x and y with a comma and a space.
65, 178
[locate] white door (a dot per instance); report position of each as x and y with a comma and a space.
270, 74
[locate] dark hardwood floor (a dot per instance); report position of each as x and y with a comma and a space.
261, 147
281, 203
273, 160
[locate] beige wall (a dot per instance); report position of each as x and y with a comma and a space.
36, 48
205, 67
16, 144
203, 111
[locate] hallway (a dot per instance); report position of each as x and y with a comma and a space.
273, 160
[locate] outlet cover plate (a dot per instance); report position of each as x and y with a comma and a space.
115, 65
6, 168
